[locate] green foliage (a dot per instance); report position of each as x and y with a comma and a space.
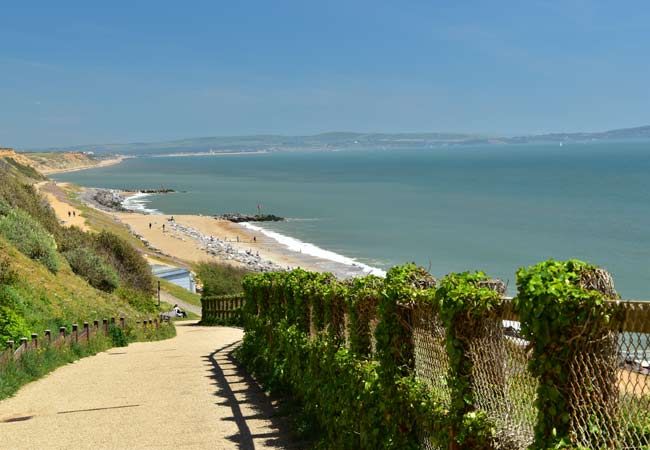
363, 298
91, 267
34, 364
221, 279
19, 228
117, 336
464, 305
127, 261
557, 315
341, 391
27, 171
7, 273
142, 301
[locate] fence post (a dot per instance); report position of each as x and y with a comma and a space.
105, 325
62, 332
112, 320
48, 336
75, 332
10, 345
87, 330
96, 325
122, 322
35, 340
565, 310
23, 343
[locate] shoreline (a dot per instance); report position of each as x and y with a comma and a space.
102, 163
198, 238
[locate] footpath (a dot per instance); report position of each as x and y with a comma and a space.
182, 393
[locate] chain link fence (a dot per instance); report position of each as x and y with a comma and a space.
608, 379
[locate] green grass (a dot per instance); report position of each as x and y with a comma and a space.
179, 292
221, 279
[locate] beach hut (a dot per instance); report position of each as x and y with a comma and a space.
177, 275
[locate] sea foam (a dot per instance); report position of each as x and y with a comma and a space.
298, 246
138, 202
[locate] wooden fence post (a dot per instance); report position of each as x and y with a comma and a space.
23, 343
96, 325
122, 322
62, 332
87, 330
75, 332
35, 340
105, 325
112, 320
10, 345
48, 336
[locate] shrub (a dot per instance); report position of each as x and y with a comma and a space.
130, 265
221, 279
117, 335
142, 301
29, 237
94, 269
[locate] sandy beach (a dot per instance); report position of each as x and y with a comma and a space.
193, 238
173, 241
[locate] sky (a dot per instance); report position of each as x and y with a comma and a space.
79, 72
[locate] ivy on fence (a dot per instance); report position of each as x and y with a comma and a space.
346, 351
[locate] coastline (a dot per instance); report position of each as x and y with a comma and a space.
102, 163
198, 238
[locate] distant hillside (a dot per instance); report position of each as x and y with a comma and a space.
342, 140
619, 134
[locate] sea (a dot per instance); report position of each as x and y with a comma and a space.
493, 208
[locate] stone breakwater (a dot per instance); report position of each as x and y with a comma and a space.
104, 199
224, 250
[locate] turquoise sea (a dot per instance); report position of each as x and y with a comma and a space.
493, 207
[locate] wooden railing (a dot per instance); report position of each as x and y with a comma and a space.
15, 350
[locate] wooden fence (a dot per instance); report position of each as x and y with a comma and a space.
222, 308
14, 350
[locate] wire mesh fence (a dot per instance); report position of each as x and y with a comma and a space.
608, 378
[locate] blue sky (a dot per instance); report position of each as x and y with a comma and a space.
78, 73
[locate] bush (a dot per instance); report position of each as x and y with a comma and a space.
117, 335
129, 263
29, 237
221, 279
92, 268
142, 301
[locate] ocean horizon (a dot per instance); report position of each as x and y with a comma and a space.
493, 208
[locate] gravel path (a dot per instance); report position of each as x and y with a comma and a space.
182, 393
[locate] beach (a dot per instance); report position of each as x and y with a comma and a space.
189, 238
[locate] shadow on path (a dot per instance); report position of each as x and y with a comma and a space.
259, 407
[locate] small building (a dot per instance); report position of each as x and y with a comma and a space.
177, 275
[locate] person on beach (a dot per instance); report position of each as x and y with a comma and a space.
163, 227
254, 239
74, 213
69, 214
150, 225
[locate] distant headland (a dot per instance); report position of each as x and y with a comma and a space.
335, 140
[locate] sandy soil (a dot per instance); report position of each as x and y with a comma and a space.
65, 212
184, 393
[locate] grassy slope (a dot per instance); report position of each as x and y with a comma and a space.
62, 298
179, 292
